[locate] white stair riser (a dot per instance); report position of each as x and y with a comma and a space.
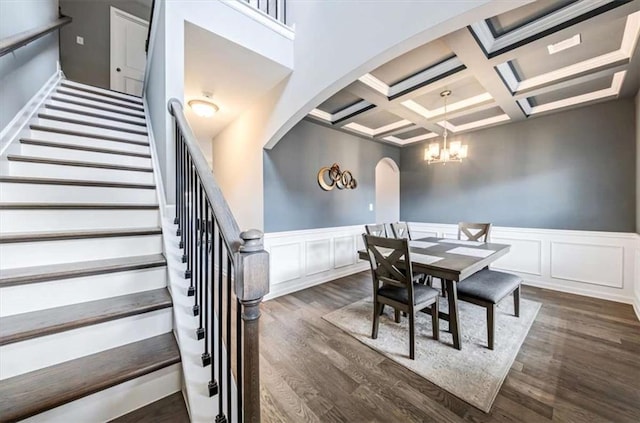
98, 90
68, 220
45, 170
58, 293
86, 141
96, 97
91, 130
91, 103
83, 156
89, 109
39, 253
44, 113
10, 192
33, 354
116, 401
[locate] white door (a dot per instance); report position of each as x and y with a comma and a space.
128, 58
387, 191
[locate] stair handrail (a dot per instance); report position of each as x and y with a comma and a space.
247, 268
13, 42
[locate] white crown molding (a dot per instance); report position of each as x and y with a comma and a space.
430, 114
411, 140
373, 132
329, 117
373, 82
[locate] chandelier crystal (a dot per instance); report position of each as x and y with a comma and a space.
455, 152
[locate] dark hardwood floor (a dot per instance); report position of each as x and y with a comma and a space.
579, 363
171, 409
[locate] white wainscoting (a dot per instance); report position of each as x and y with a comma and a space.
300, 259
597, 264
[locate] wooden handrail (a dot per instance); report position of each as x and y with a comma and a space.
9, 44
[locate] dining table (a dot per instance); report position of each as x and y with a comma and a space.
451, 260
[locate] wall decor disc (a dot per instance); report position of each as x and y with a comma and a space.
331, 177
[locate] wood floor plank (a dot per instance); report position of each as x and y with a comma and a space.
578, 364
170, 409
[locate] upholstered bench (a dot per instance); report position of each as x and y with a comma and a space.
486, 289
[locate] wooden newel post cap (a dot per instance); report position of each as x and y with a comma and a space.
253, 241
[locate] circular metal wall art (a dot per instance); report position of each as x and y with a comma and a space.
331, 177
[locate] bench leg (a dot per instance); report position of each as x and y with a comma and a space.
516, 302
491, 324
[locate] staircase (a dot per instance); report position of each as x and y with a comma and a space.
86, 327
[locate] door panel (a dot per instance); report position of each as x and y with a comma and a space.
128, 58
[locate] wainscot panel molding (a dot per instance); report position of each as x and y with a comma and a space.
595, 264
301, 259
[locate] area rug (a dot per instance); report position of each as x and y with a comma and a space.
473, 374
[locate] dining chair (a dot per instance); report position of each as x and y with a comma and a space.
393, 285
474, 231
487, 287
376, 230
401, 230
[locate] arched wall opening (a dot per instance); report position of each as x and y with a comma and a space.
387, 183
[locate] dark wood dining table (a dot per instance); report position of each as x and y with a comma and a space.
439, 261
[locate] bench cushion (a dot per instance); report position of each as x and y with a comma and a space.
488, 285
421, 293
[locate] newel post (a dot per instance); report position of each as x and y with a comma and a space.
252, 284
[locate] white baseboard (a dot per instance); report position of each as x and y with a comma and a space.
157, 174
19, 122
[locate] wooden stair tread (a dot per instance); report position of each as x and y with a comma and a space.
76, 163
77, 206
35, 392
93, 124
34, 274
170, 409
97, 107
102, 91
94, 114
82, 148
76, 182
8, 238
95, 97
20, 327
37, 127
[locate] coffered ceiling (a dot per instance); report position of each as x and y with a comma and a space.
546, 56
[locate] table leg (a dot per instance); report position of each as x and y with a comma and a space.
454, 320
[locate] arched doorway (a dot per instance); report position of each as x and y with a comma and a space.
387, 191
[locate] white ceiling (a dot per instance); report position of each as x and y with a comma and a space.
499, 70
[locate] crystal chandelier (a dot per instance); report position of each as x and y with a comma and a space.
454, 153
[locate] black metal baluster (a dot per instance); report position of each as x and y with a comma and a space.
176, 138
220, 418
228, 345
199, 250
182, 195
213, 384
189, 225
206, 357
239, 362
197, 257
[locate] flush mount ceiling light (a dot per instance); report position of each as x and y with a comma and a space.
203, 108
454, 153
565, 44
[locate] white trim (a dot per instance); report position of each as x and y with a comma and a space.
411, 140
261, 17
12, 131
429, 114
157, 177
113, 13
377, 131
150, 48
373, 82
476, 124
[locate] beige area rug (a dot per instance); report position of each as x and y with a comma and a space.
474, 374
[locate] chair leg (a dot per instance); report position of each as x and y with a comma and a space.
435, 322
412, 335
376, 318
443, 285
516, 302
397, 315
429, 281
381, 312
491, 324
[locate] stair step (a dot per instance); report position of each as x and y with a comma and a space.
70, 117
170, 409
101, 91
21, 327
44, 143
87, 111
77, 206
102, 99
85, 134
45, 160
35, 392
54, 181
61, 236
35, 274
67, 101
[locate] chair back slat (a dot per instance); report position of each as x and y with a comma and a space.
390, 262
376, 230
474, 231
401, 230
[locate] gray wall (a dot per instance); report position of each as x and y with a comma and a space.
569, 170
89, 63
24, 72
292, 198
